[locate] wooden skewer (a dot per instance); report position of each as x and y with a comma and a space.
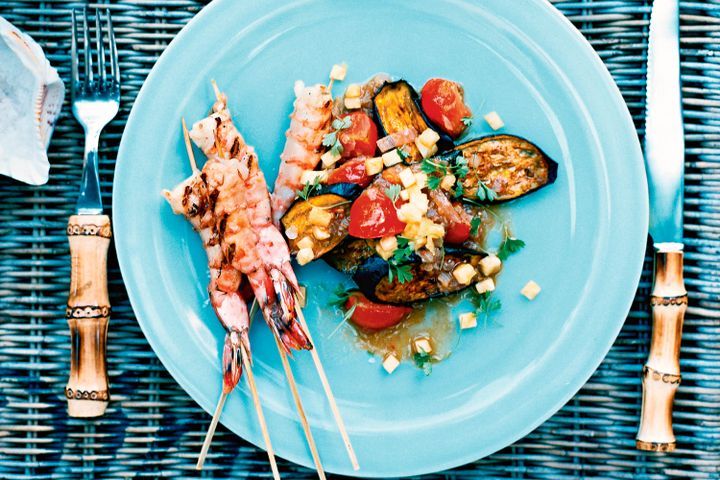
300, 410
258, 408
188, 147
210, 432
328, 392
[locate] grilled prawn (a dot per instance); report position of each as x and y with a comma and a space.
309, 123
249, 240
190, 198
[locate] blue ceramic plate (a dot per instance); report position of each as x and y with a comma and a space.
585, 234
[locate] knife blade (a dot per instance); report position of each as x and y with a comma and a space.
664, 141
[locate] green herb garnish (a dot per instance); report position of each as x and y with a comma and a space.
475, 224
402, 153
397, 267
423, 360
340, 297
485, 305
485, 193
467, 121
308, 188
509, 246
436, 171
393, 192
332, 140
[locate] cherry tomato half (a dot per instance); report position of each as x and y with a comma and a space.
443, 103
457, 232
360, 138
373, 215
375, 316
352, 171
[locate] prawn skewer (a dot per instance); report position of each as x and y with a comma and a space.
310, 121
220, 134
190, 198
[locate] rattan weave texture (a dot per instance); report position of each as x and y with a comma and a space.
153, 429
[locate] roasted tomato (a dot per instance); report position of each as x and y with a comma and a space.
374, 316
443, 103
352, 171
373, 215
457, 232
360, 138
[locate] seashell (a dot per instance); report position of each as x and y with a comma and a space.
31, 95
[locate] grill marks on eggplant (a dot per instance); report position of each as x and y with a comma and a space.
511, 166
397, 108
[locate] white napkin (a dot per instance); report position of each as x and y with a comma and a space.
31, 95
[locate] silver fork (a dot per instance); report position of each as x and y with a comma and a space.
95, 101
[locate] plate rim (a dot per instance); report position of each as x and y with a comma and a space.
599, 67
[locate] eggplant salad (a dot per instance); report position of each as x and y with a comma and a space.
382, 184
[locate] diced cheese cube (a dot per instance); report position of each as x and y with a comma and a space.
353, 91
436, 231
448, 182
494, 120
425, 151
338, 72
485, 285
468, 320
305, 256
409, 213
373, 166
391, 158
390, 363
291, 232
329, 159
407, 177
490, 265
531, 290
305, 242
421, 180
320, 233
421, 202
422, 345
464, 273
353, 103
418, 243
430, 244
389, 243
319, 217
384, 254
405, 195
309, 176
302, 296
411, 230
428, 138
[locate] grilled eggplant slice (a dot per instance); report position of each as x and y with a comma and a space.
371, 278
397, 108
511, 166
298, 221
350, 254
349, 191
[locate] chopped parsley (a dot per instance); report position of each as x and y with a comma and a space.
308, 189
475, 225
467, 121
402, 153
437, 170
509, 246
423, 360
339, 299
485, 305
485, 193
393, 192
397, 264
332, 139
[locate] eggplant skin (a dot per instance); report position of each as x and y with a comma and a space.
397, 107
297, 216
350, 254
349, 191
371, 278
511, 166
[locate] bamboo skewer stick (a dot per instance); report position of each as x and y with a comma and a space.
210, 431
300, 410
328, 392
258, 408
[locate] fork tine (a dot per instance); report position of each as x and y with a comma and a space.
100, 49
114, 69
88, 58
73, 54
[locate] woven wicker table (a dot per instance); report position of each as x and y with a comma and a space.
153, 429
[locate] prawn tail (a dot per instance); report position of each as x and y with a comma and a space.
232, 360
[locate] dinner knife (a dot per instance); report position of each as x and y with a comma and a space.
664, 160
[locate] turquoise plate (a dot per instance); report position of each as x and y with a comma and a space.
585, 234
